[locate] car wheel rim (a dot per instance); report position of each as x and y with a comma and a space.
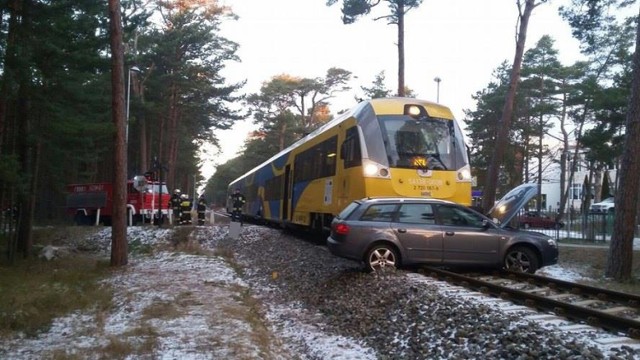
381, 259
518, 261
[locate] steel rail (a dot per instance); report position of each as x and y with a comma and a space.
629, 327
630, 300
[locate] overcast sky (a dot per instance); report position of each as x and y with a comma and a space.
459, 41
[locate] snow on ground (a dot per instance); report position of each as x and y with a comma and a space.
195, 307
562, 273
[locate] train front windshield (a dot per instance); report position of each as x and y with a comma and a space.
425, 143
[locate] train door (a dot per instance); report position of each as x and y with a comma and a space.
350, 173
285, 193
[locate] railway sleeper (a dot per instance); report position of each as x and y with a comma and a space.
618, 309
586, 303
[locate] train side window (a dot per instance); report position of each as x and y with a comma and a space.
316, 162
416, 214
350, 149
273, 188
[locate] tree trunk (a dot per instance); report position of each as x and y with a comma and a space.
23, 141
489, 193
401, 91
563, 160
620, 259
540, 147
281, 137
144, 154
25, 241
172, 136
9, 66
597, 184
119, 212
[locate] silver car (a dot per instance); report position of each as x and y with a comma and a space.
394, 232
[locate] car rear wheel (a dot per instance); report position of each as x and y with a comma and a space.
382, 257
521, 259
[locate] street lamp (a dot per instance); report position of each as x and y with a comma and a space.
135, 69
437, 80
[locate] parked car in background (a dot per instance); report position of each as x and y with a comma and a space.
395, 232
605, 206
534, 219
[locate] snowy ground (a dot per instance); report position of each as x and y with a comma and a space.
196, 307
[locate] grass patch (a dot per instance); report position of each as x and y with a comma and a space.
160, 310
118, 348
260, 333
594, 259
182, 241
62, 235
136, 247
35, 291
228, 255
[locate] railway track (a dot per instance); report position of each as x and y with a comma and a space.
613, 311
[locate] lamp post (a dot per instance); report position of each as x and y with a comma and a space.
136, 69
437, 80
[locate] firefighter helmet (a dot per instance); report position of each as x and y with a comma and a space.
176, 191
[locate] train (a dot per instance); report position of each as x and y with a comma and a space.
382, 147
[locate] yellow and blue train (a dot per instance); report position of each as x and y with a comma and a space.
382, 147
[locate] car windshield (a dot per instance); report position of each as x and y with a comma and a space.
425, 143
607, 200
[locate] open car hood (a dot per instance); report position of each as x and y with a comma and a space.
507, 207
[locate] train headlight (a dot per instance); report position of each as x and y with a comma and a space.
373, 169
370, 170
464, 174
415, 111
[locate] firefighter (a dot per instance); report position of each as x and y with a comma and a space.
202, 208
237, 200
174, 204
185, 205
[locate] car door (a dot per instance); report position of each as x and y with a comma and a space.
417, 231
466, 240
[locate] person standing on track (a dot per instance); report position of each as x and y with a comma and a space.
238, 200
174, 204
185, 204
202, 208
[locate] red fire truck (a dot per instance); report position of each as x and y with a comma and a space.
92, 203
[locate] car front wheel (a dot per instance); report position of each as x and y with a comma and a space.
382, 257
521, 259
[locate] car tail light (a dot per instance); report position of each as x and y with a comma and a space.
341, 229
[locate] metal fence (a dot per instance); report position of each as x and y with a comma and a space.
588, 227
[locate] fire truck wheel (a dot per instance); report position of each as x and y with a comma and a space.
81, 219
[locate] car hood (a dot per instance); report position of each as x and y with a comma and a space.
507, 207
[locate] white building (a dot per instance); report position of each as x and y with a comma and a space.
551, 189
